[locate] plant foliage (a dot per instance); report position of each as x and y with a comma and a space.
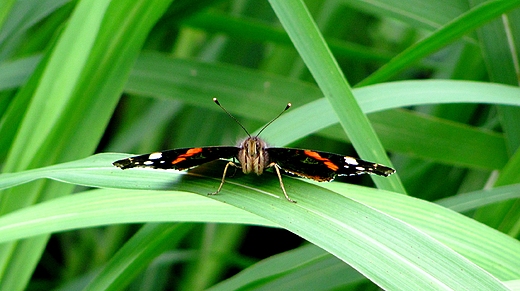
428, 87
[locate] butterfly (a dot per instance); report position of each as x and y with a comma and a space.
253, 155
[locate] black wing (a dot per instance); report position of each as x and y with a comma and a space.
321, 166
179, 159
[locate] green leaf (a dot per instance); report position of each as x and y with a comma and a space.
304, 268
384, 229
240, 54
160, 76
149, 242
460, 26
473, 200
311, 46
66, 106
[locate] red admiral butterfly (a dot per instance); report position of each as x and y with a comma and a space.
254, 156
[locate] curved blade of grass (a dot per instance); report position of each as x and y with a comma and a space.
500, 50
41, 116
46, 96
425, 136
74, 95
305, 268
159, 75
425, 14
393, 95
438, 139
153, 75
22, 16
165, 80
474, 200
111, 206
450, 228
4, 11
94, 207
472, 19
323, 217
148, 243
311, 46
14, 73
251, 29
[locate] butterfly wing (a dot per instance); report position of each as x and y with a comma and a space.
179, 159
322, 166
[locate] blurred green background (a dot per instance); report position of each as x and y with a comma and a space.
438, 81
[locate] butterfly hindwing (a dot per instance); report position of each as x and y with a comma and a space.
179, 159
322, 166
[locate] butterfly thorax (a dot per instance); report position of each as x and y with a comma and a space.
252, 155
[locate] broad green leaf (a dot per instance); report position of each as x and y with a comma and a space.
311, 46
320, 216
445, 35
304, 268
71, 100
425, 14
159, 76
149, 242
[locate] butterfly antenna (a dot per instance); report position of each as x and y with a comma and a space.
218, 103
272, 120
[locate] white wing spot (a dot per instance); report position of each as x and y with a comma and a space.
351, 161
155, 156
148, 163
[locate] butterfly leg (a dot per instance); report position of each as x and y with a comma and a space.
223, 178
277, 169
234, 166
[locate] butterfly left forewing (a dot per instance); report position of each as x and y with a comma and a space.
323, 166
297, 162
